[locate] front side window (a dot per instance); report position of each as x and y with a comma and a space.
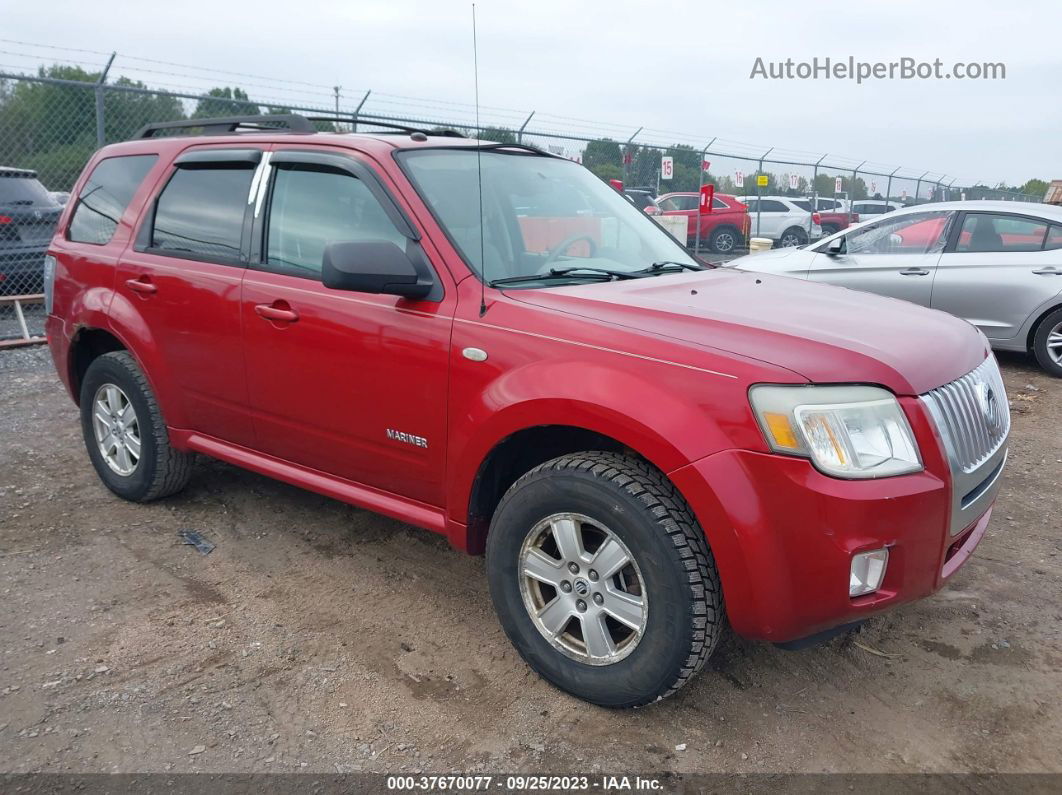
918, 233
200, 212
312, 207
105, 196
985, 232
539, 214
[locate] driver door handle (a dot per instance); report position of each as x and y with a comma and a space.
276, 313
914, 272
1049, 271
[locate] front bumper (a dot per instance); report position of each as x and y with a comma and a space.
783, 535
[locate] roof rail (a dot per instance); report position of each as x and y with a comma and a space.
448, 133
281, 122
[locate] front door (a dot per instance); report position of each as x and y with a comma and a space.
896, 256
351, 384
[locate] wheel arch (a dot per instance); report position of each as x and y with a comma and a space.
87, 345
1040, 318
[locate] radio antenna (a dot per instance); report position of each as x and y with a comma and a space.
479, 176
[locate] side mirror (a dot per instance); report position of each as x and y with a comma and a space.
373, 266
836, 247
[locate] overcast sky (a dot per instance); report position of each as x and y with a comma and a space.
666, 66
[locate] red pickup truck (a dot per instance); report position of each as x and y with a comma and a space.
648, 450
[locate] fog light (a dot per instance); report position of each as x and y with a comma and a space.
868, 570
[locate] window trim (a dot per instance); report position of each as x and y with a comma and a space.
956, 231
147, 225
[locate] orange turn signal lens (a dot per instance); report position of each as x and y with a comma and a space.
781, 430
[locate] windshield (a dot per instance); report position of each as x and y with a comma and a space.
540, 214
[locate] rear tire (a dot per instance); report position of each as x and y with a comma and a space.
1047, 343
793, 236
725, 240
125, 433
829, 229
624, 513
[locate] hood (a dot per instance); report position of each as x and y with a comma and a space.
825, 334
788, 261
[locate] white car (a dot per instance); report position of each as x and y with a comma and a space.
868, 207
997, 265
788, 222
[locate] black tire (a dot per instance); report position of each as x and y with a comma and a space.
160, 470
685, 617
795, 233
725, 240
1051, 323
829, 229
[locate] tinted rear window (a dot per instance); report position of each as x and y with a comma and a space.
200, 212
802, 204
23, 191
105, 197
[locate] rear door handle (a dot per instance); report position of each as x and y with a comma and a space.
142, 285
276, 313
1050, 271
914, 272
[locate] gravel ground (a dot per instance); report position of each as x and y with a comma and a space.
317, 637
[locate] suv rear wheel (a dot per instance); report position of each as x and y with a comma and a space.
793, 236
125, 433
603, 580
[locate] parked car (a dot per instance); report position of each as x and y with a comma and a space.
27, 222
628, 435
643, 199
724, 230
834, 214
875, 207
997, 265
782, 220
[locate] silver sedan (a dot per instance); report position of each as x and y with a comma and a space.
997, 265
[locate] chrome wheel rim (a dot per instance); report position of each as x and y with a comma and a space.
788, 241
582, 589
1054, 344
117, 430
724, 243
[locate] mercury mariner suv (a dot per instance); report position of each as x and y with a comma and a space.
487, 341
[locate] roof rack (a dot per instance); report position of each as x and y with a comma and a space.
447, 133
279, 122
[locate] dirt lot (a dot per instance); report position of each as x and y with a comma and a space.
317, 637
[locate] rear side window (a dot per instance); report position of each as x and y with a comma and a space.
200, 212
1054, 238
311, 208
105, 197
984, 232
803, 204
772, 206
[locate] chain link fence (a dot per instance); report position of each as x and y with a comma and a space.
50, 125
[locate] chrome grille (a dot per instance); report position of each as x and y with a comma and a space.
972, 415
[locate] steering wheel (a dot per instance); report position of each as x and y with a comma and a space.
554, 253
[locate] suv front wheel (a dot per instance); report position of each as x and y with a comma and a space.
603, 580
125, 434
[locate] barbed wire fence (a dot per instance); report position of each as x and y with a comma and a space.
58, 105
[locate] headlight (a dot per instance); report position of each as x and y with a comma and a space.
846, 431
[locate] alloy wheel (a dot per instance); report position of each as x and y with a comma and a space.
1054, 344
582, 588
116, 428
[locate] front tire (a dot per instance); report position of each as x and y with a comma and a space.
603, 580
725, 240
794, 236
1047, 343
125, 433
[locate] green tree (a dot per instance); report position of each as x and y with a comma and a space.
501, 135
1035, 187
226, 101
126, 111
603, 156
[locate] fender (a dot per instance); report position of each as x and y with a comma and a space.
667, 427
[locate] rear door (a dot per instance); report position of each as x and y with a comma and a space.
181, 285
895, 256
997, 269
769, 217
352, 384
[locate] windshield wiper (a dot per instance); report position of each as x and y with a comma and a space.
665, 266
574, 272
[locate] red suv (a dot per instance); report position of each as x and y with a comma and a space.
647, 450
724, 230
